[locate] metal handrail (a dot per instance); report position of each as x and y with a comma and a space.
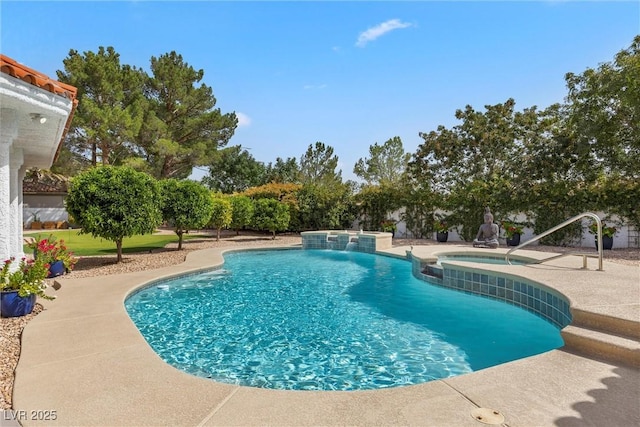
556, 228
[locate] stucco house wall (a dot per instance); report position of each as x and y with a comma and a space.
35, 114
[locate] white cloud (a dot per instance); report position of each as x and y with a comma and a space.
243, 119
379, 30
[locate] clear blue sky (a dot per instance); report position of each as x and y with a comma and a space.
349, 74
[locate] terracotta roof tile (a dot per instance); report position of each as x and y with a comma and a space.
42, 181
15, 69
43, 187
29, 75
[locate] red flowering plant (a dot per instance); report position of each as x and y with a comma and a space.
27, 278
511, 228
50, 250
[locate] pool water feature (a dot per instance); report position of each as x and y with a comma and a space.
328, 320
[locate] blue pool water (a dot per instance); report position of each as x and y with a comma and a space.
328, 320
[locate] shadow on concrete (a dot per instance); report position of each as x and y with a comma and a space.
617, 403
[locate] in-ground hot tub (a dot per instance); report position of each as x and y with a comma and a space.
483, 258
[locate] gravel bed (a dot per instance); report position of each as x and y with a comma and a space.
11, 328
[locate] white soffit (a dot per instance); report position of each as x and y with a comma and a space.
41, 118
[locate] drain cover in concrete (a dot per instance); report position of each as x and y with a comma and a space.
487, 416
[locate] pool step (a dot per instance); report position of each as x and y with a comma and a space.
599, 322
433, 270
606, 337
602, 345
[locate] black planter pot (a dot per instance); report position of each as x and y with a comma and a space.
513, 240
442, 237
607, 242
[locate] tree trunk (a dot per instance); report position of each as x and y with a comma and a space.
166, 171
179, 233
218, 235
104, 151
119, 250
94, 154
274, 235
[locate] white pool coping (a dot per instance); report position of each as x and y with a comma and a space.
84, 359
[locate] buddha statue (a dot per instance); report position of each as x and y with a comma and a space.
487, 233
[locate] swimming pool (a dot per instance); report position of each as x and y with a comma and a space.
328, 320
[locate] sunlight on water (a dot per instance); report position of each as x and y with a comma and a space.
328, 320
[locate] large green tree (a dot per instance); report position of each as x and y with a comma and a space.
604, 118
283, 171
109, 113
318, 165
604, 111
114, 202
552, 169
185, 205
182, 129
386, 163
472, 165
383, 192
233, 170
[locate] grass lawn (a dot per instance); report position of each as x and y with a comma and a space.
85, 244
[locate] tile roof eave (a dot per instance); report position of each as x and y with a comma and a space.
17, 70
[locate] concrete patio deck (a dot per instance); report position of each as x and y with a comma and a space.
84, 359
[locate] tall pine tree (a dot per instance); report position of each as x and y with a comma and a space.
182, 129
109, 113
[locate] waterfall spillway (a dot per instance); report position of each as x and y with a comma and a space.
332, 242
352, 245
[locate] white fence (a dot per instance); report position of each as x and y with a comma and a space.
626, 236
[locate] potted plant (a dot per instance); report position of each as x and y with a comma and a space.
512, 232
389, 226
608, 231
442, 230
54, 253
36, 224
19, 286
